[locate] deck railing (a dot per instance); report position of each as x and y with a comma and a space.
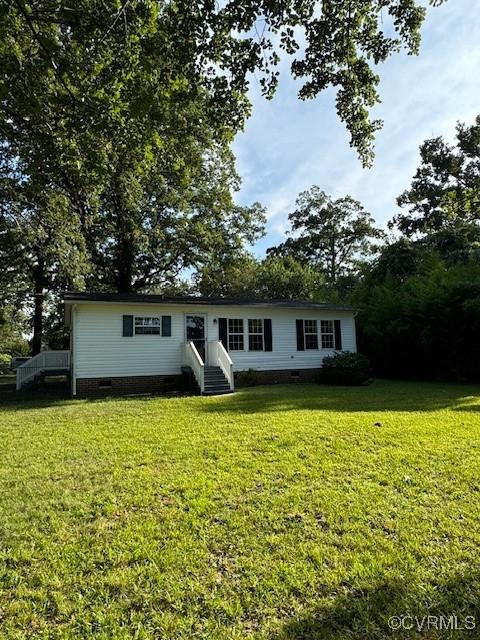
43, 362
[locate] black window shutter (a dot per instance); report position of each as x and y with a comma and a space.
166, 326
222, 332
127, 326
300, 339
267, 334
338, 335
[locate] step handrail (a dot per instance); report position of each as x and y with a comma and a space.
196, 363
225, 363
218, 357
42, 362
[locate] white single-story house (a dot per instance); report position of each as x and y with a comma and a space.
131, 343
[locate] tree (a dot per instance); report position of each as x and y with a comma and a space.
418, 305
13, 329
169, 227
243, 276
284, 278
424, 325
445, 192
41, 244
334, 43
98, 99
235, 276
331, 235
107, 109
111, 146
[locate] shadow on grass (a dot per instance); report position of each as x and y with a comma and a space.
368, 612
55, 393
49, 393
469, 407
381, 395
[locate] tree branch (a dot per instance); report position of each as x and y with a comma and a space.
38, 39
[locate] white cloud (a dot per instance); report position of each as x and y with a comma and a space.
288, 145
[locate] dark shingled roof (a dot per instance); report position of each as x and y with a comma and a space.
81, 296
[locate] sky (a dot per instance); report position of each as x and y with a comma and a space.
288, 144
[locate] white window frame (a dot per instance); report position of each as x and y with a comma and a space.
236, 333
310, 333
256, 333
159, 318
330, 334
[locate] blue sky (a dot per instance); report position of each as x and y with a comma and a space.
289, 145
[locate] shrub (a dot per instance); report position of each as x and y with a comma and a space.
345, 368
425, 326
5, 361
247, 378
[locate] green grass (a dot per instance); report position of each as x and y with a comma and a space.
274, 513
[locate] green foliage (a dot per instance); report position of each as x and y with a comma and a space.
115, 166
420, 301
332, 235
247, 378
236, 276
153, 517
5, 360
445, 191
332, 44
272, 278
425, 324
284, 278
13, 328
345, 368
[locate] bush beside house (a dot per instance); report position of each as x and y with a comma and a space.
345, 368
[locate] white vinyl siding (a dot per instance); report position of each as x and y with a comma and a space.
102, 351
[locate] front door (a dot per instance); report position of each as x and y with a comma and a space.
195, 332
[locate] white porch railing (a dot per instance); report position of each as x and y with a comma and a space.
194, 361
218, 356
43, 361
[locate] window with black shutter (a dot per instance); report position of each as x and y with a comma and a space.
267, 334
338, 335
300, 338
127, 326
223, 332
166, 326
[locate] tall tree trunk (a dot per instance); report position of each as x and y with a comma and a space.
333, 262
125, 232
39, 285
124, 265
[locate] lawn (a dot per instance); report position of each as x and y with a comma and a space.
288, 512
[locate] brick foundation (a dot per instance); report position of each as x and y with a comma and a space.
131, 385
128, 385
278, 376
